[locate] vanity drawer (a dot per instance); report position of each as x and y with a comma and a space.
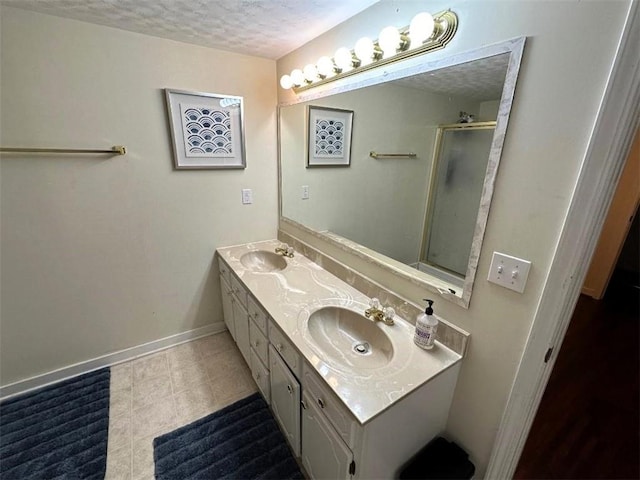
260, 374
257, 314
225, 271
335, 411
259, 342
238, 289
286, 350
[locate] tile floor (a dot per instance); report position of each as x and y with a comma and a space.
160, 392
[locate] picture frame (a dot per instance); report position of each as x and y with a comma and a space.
207, 130
329, 132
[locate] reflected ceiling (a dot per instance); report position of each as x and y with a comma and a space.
474, 80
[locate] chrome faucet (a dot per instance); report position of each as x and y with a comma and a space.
285, 250
378, 314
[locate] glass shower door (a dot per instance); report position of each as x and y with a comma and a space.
462, 154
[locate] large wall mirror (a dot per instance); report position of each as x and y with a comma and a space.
424, 143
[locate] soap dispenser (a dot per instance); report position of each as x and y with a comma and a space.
426, 327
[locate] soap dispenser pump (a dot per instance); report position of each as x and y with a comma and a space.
426, 327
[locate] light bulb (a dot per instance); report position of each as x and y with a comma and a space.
310, 73
389, 41
286, 82
297, 77
364, 50
421, 28
343, 59
325, 66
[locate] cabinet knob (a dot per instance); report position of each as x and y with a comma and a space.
223, 271
256, 343
304, 405
258, 376
289, 389
279, 347
321, 403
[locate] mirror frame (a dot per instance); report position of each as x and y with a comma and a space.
405, 68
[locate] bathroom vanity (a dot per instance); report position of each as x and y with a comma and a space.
355, 397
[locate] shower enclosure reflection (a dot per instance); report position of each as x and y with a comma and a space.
460, 162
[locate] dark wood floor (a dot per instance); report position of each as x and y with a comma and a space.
587, 425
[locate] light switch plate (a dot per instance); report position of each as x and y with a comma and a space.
509, 272
305, 192
247, 196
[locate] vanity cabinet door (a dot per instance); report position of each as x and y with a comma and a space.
227, 306
241, 323
260, 375
285, 399
324, 454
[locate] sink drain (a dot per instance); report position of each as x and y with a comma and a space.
362, 348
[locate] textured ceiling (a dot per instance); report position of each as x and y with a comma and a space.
263, 28
479, 80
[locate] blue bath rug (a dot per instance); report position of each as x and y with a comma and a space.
59, 431
241, 441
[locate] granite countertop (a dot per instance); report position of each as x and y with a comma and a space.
289, 296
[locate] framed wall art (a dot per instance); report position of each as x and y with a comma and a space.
329, 137
207, 130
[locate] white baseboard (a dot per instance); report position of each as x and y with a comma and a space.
125, 355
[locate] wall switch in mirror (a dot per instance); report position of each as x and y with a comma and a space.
247, 196
509, 272
305, 192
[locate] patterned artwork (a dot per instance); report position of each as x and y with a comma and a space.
329, 137
207, 131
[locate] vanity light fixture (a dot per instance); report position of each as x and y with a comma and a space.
366, 51
344, 60
286, 82
391, 41
424, 34
310, 73
326, 67
297, 77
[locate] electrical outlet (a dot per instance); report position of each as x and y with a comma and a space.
305, 192
247, 196
509, 272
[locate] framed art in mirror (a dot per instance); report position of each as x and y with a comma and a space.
207, 130
329, 137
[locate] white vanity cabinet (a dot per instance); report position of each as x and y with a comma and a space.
324, 453
258, 320
381, 446
285, 399
227, 305
234, 308
330, 439
241, 324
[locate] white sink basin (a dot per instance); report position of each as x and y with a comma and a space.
350, 339
263, 261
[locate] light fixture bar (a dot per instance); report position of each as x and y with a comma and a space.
445, 27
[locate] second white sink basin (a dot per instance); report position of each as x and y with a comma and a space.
263, 261
350, 339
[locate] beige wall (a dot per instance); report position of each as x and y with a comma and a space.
100, 254
562, 79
